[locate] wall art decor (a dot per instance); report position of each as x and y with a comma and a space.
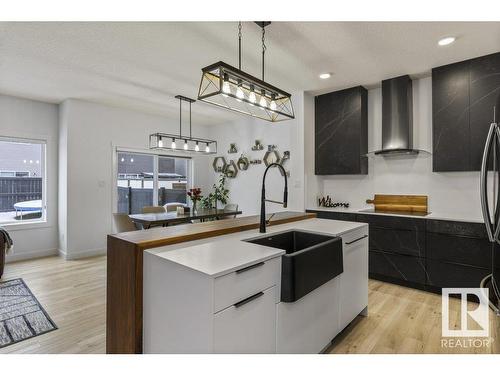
231, 170
243, 163
219, 164
256, 161
232, 149
271, 156
258, 146
327, 202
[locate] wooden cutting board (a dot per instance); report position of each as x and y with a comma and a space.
408, 203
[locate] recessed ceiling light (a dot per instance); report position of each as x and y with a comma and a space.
325, 75
446, 41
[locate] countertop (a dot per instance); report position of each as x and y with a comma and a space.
432, 215
161, 236
224, 254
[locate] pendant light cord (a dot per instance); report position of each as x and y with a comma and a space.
190, 133
263, 49
180, 118
239, 45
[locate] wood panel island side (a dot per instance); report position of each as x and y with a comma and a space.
125, 271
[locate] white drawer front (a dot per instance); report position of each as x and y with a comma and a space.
234, 287
249, 328
351, 239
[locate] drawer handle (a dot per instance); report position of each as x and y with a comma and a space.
356, 240
249, 299
250, 267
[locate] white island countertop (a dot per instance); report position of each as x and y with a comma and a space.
221, 255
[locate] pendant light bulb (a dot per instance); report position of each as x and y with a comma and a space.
273, 106
239, 94
197, 148
263, 101
251, 97
185, 144
160, 143
226, 89
173, 146
207, 149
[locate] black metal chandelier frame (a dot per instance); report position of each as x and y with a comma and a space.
188, 144
217, 80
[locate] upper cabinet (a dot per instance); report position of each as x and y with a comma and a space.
450, 118
463, 97
484, 91
341, 132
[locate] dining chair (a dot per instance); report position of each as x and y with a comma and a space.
230, 207
123, 223
172, 206
153, 209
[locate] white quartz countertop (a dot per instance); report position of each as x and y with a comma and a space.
218, 256
432, 215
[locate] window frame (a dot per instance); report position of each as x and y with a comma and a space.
43, 220
156, 155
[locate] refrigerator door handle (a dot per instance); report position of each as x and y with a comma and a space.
496, 234
484, 182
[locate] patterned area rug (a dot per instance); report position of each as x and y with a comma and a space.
21, 315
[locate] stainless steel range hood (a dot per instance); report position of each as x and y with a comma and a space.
397, 118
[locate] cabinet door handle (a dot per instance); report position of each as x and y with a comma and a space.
249, 299
250, 267
356, 240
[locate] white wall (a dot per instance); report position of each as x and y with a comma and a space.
453, 194
245, 189
89, 133
31, 119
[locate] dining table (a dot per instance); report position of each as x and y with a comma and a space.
169, 218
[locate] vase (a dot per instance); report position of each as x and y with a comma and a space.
194, 207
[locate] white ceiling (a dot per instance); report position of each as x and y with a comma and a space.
144, 65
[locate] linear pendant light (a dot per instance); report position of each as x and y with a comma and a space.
178, 142
232, 88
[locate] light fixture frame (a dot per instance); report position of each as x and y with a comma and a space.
155, 138
212, 83
213, 75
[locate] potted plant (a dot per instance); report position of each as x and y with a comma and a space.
195, 195
220, 194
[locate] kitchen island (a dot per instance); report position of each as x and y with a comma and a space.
291, 290
124, 285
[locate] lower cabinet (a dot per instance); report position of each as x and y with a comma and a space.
424, 253
400, 269
247, 327
450, 275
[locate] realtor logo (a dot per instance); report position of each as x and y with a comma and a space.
473, 323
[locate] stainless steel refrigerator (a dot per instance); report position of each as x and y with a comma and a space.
490, 204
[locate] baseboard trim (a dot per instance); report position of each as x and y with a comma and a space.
15, 257
82, 254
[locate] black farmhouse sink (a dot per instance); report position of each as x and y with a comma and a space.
310, 261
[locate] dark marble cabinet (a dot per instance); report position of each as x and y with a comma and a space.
341, 132
484, 92
458, 254
463, 96
424, 253
450, 118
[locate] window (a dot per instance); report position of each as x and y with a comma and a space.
150, 180
22, 180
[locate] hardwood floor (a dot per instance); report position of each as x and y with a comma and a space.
405, 320
73, 294
400, 320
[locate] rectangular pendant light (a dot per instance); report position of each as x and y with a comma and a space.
226, 86
180, 143
174, 142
